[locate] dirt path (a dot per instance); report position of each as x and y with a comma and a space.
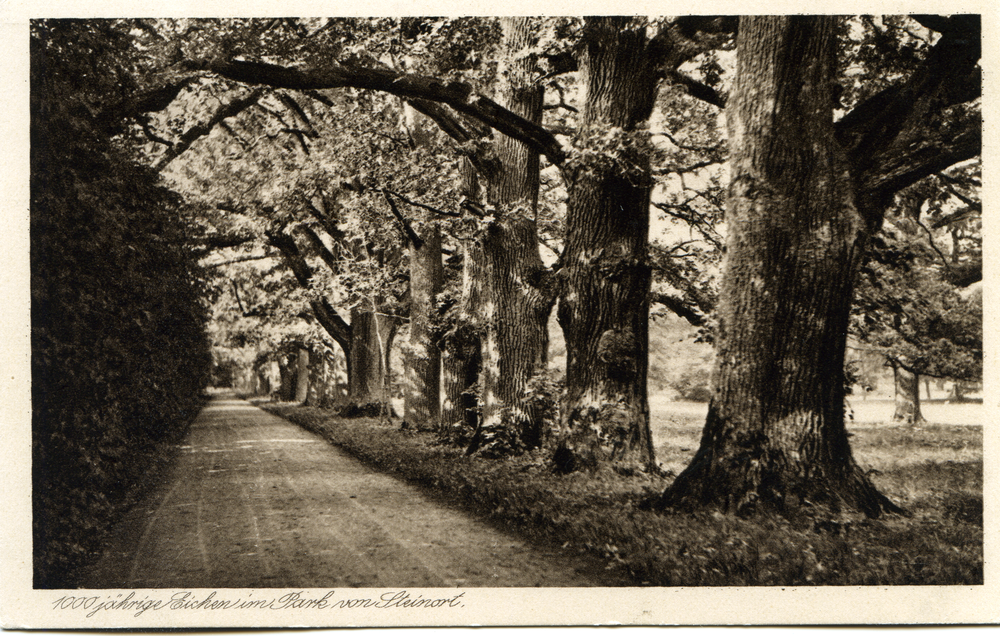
255, 501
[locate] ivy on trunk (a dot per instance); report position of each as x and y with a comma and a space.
518, 300
604, 302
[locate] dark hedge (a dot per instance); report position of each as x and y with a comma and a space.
119, 352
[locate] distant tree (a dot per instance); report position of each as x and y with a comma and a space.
908, 306
320, 200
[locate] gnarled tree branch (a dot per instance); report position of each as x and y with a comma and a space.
680, 307
909, 130
411, 235
324, 312
458, 95
198, 131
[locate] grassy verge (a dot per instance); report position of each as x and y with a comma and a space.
602, 513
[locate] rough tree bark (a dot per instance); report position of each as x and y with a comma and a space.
288, 368
302, 375
422, 359
319, 381
365, 341
462, 360
635, 69
459, 375
326, 381
604, 303
368, 368
336, 327
519, 300
907, 395
775, 434
422, 382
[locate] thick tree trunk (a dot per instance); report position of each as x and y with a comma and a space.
259, 386
422, 358
452, 387
517, 336
327, 384
318, 380
270, 377
469, 335
958, 391
604, 305
516, 315
323, 311
459, 376
302, 375
775, 434
463, 360
371, 339
286, 386
907, 395
422, 382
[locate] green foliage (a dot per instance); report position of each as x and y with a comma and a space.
907, 306
875, 52
119, 354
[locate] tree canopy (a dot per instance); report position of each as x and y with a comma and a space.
325, 184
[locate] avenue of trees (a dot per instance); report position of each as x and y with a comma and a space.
329, 190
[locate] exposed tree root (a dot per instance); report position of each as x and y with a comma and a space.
750, 488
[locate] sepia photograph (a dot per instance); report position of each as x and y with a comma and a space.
460, 319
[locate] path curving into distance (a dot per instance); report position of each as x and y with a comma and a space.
253, 501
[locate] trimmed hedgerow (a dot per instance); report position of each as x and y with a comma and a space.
119, 352
607, 514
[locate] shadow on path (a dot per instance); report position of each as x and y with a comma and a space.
255, 501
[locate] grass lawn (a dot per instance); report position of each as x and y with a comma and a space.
951, 442
934, 471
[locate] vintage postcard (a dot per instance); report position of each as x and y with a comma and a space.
464, 315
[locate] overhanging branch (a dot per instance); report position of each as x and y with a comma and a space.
220, 241
417, 204
241, 259
458, 95
697, 89
679, 307
411, 235
153, 99
907, 131
198, 131
324, 312
455, 128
